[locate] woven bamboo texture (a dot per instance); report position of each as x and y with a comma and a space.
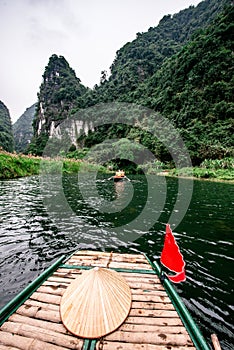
152, 324
96, 303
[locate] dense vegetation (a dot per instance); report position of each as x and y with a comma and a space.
23, 130
193, 89
13, 165
56, 100
6, 135
138, 60
218, 169
182, 69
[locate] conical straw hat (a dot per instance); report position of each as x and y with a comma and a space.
96, 303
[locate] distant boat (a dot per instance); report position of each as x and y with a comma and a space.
119, 176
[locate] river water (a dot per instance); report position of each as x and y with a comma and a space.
42, 218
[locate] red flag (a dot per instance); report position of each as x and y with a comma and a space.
172, 258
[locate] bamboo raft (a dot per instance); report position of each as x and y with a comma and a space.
32, 321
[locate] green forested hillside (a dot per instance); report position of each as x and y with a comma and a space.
6, 135
195, 89
138, 60
23, 130
183, 69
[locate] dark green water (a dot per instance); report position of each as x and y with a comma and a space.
111, 218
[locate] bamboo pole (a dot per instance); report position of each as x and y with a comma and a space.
151, 306
46, 298
151, 338
3, 347
110, 345
40, 305
153, 313
26, 343
150, 298
149, 292
159, 329
52, 326
215, 342
41, 334
155, 321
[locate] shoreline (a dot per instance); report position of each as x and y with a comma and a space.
211, 179
14, 165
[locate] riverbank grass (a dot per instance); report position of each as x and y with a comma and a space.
202, 173
217, 169
14, 165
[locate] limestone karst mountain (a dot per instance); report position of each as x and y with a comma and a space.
23, 129
6, 135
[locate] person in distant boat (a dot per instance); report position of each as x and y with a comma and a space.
119, 176
120, 173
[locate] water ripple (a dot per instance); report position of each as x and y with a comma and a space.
30, 241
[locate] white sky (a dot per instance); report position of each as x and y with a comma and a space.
86, 32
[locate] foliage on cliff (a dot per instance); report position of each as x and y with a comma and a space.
59, 90
194, 89
23, 129
6, 134
56, 100
182, 68
138, 60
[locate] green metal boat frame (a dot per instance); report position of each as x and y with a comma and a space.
190, 325
20, 298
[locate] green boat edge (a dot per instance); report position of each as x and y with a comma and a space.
190, 325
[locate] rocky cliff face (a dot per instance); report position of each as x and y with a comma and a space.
73, 128
57, 99
23, 129
6, 134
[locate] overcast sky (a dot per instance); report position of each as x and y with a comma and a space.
86, 32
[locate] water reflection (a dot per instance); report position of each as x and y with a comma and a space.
30, 241
119, 188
